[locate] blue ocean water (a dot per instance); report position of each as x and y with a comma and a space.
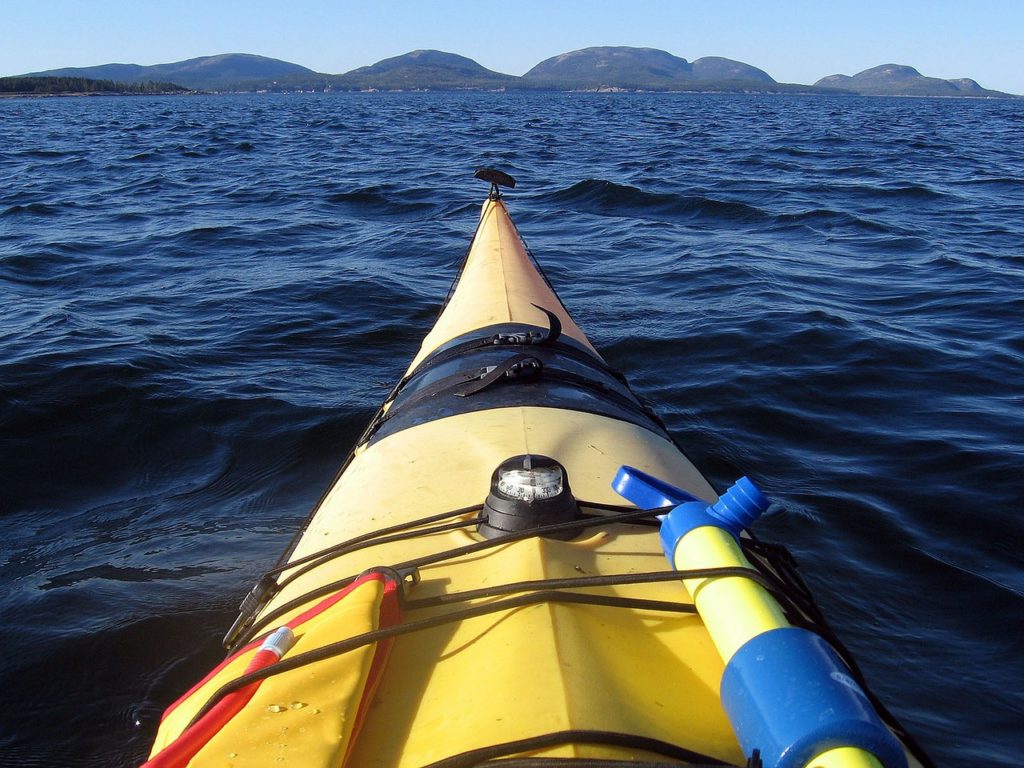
204, 299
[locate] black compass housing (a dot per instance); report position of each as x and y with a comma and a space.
506, 513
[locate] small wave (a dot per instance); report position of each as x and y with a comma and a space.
826, 219
861, 190
375, 200
366, 196
219, 234
126, 217
40, 268
126, 574
262, 195
132, 431
993, 181
924, 144
34, 209
798, 152
909, 191
44, 154
152, 184
606, 197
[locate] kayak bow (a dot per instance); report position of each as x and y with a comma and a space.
473, 588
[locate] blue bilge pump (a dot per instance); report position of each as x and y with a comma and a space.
786, 691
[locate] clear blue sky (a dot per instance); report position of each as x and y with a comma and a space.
797, 41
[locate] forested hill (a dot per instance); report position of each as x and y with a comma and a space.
422, 69
645, 69
901, 80
223, 71
43, 86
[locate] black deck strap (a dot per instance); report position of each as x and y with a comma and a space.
627, 516
420, 395
572, 582
554, 325
517, 339
341, 647
416, 527
269, 584
375, 541
447, 384
482, 755
521, 368
353, 543
517, 368
464, 383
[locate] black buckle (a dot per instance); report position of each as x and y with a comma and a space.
517, 368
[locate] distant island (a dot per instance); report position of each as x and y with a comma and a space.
61, 86
609, 68
901, 80
227, 71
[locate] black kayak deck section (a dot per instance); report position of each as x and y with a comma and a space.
505, 366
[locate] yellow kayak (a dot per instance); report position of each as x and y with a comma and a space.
518, 565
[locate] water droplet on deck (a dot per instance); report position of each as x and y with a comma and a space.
276, 708
298, 704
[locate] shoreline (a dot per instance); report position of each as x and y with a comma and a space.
595, 91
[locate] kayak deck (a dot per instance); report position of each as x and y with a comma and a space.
584, 645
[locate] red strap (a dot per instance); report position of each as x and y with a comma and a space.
389, 616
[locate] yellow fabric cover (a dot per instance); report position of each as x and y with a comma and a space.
279, 726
